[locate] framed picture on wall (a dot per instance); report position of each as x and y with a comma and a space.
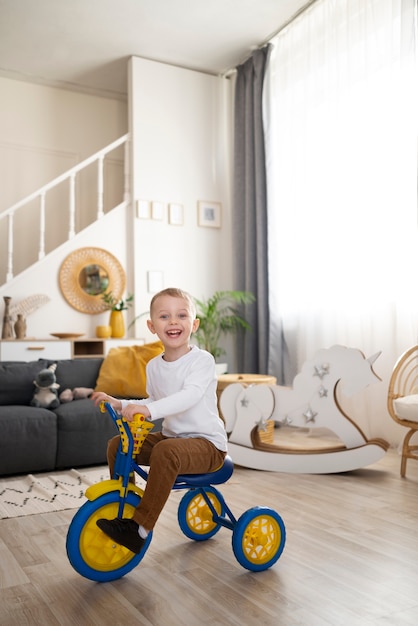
143, 209
157, 210
209, 214
175, 214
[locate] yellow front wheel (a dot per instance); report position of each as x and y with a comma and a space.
258, 538
92, 553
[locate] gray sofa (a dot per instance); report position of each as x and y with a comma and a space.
32, 439
75, 434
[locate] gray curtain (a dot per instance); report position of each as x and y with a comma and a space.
250, 211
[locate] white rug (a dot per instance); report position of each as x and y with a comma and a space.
43, 493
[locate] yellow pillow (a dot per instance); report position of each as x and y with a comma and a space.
122, 373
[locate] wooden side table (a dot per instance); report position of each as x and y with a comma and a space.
245, 379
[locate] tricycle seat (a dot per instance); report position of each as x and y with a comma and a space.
217, 477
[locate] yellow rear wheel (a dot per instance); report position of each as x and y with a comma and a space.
195, 516
258, 538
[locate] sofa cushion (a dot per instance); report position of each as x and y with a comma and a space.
28, 441
122, 373
406, 407
72, 373
83, 433
16, 381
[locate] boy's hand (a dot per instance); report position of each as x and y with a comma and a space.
133, 409
101, 396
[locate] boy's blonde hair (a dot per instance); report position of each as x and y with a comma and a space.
174, 292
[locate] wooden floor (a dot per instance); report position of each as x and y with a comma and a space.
351, 558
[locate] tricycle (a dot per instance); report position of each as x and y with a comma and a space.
258, 535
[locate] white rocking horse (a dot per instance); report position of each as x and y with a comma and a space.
250, 412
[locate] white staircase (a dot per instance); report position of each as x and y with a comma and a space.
10, 234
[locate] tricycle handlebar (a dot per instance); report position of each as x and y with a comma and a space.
132, 433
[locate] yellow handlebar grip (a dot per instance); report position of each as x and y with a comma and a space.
102, 407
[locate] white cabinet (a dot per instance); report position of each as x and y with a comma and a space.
24, 350
90, 348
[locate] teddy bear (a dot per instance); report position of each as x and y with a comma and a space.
46, 393
78, 393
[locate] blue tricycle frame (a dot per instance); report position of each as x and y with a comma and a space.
258, 535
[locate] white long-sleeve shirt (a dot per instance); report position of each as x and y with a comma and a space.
183, 392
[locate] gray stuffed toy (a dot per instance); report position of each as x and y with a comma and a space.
46, 394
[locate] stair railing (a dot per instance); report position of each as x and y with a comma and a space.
71, 176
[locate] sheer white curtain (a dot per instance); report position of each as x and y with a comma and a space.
341, 141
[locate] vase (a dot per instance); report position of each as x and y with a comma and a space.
103, 332
7, 330
117, 323
20, 326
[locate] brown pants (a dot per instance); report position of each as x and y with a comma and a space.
167, 457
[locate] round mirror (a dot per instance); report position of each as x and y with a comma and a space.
94, 279
86, 274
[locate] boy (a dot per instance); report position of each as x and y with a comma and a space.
181, 387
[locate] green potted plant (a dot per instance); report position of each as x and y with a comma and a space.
219, 316
116, 306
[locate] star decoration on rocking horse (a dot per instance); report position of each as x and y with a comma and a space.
323, 392
310, 415
321, 370
262, 424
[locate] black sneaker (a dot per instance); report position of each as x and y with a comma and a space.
123, 531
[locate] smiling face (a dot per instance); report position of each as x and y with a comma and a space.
173, 319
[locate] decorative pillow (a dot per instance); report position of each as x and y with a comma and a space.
406, 408
122, 373
16, 381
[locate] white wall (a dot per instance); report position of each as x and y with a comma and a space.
181, 122
181, 129
44, 132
